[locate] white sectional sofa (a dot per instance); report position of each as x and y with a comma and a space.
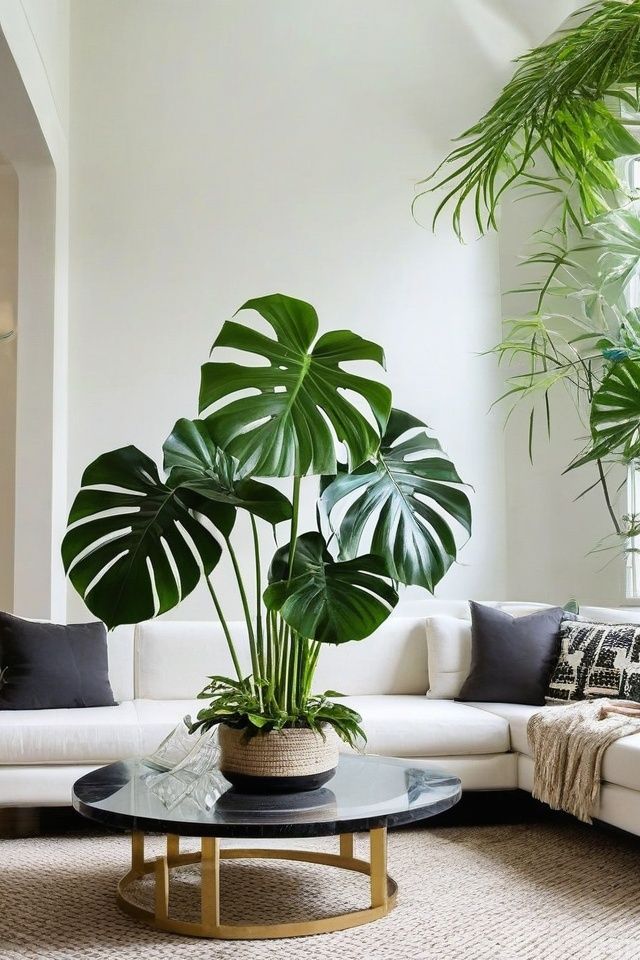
157, 667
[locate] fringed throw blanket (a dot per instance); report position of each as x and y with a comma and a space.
568, 743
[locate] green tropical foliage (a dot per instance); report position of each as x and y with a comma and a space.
396, 505
328, 600
552, 127
564, 126
615, 413
125, 523
282, 430
137, 544
194, 462
233, 703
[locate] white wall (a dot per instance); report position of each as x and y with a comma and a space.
49, 25
225, 150
8, 366
559, 546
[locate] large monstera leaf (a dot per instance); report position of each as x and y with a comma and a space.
615, 415
327, 600
193, 461
281, 429
125, 525
398, 505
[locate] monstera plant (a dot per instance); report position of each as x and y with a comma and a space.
138, 543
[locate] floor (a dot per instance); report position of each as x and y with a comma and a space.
475, 885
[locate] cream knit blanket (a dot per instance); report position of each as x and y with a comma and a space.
568, 743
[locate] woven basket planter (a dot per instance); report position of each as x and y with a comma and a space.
280, 761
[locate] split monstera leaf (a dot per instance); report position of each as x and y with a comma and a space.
137, 544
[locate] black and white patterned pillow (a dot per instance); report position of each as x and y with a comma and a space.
597, 660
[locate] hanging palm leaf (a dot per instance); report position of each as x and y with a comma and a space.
281, 429
615, 415
554, 110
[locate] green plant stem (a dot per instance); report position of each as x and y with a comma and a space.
269, 658
601, 472
311, 663
259, 627
292, 682
283, 680
274, 673
294, 524
303, 658
225, 630
607, 498
255, 666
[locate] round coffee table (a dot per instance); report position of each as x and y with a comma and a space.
366, 794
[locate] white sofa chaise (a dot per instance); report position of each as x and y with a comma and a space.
157, 667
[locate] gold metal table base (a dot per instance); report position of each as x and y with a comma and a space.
383, 888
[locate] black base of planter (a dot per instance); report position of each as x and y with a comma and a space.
248, 784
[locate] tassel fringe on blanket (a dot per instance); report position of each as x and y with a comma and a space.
568, 743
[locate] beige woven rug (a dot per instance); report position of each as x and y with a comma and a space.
523, 892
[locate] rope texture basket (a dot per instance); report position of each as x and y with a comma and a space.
293, 752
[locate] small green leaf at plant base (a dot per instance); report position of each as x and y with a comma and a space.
257, 721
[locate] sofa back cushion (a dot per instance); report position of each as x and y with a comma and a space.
120, 654
449, 647
391, 660
449, 653
173, 659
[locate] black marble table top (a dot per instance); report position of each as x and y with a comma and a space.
366, 792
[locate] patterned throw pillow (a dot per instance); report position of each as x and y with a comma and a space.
597, 660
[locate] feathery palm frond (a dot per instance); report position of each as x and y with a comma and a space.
553, 112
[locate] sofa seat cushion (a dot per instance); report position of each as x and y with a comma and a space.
401, 726
77, 735
413, 726
517, 716
621, 761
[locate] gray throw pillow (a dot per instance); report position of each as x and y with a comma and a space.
512, 658
48, 665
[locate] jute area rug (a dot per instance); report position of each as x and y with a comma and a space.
509, 892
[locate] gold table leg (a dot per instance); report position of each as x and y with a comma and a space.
346, 845
162, 889
378, 848
173, 848
210, 882
383, 888
137, 851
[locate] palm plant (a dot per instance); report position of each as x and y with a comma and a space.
554, 126
563, 127
138, 544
